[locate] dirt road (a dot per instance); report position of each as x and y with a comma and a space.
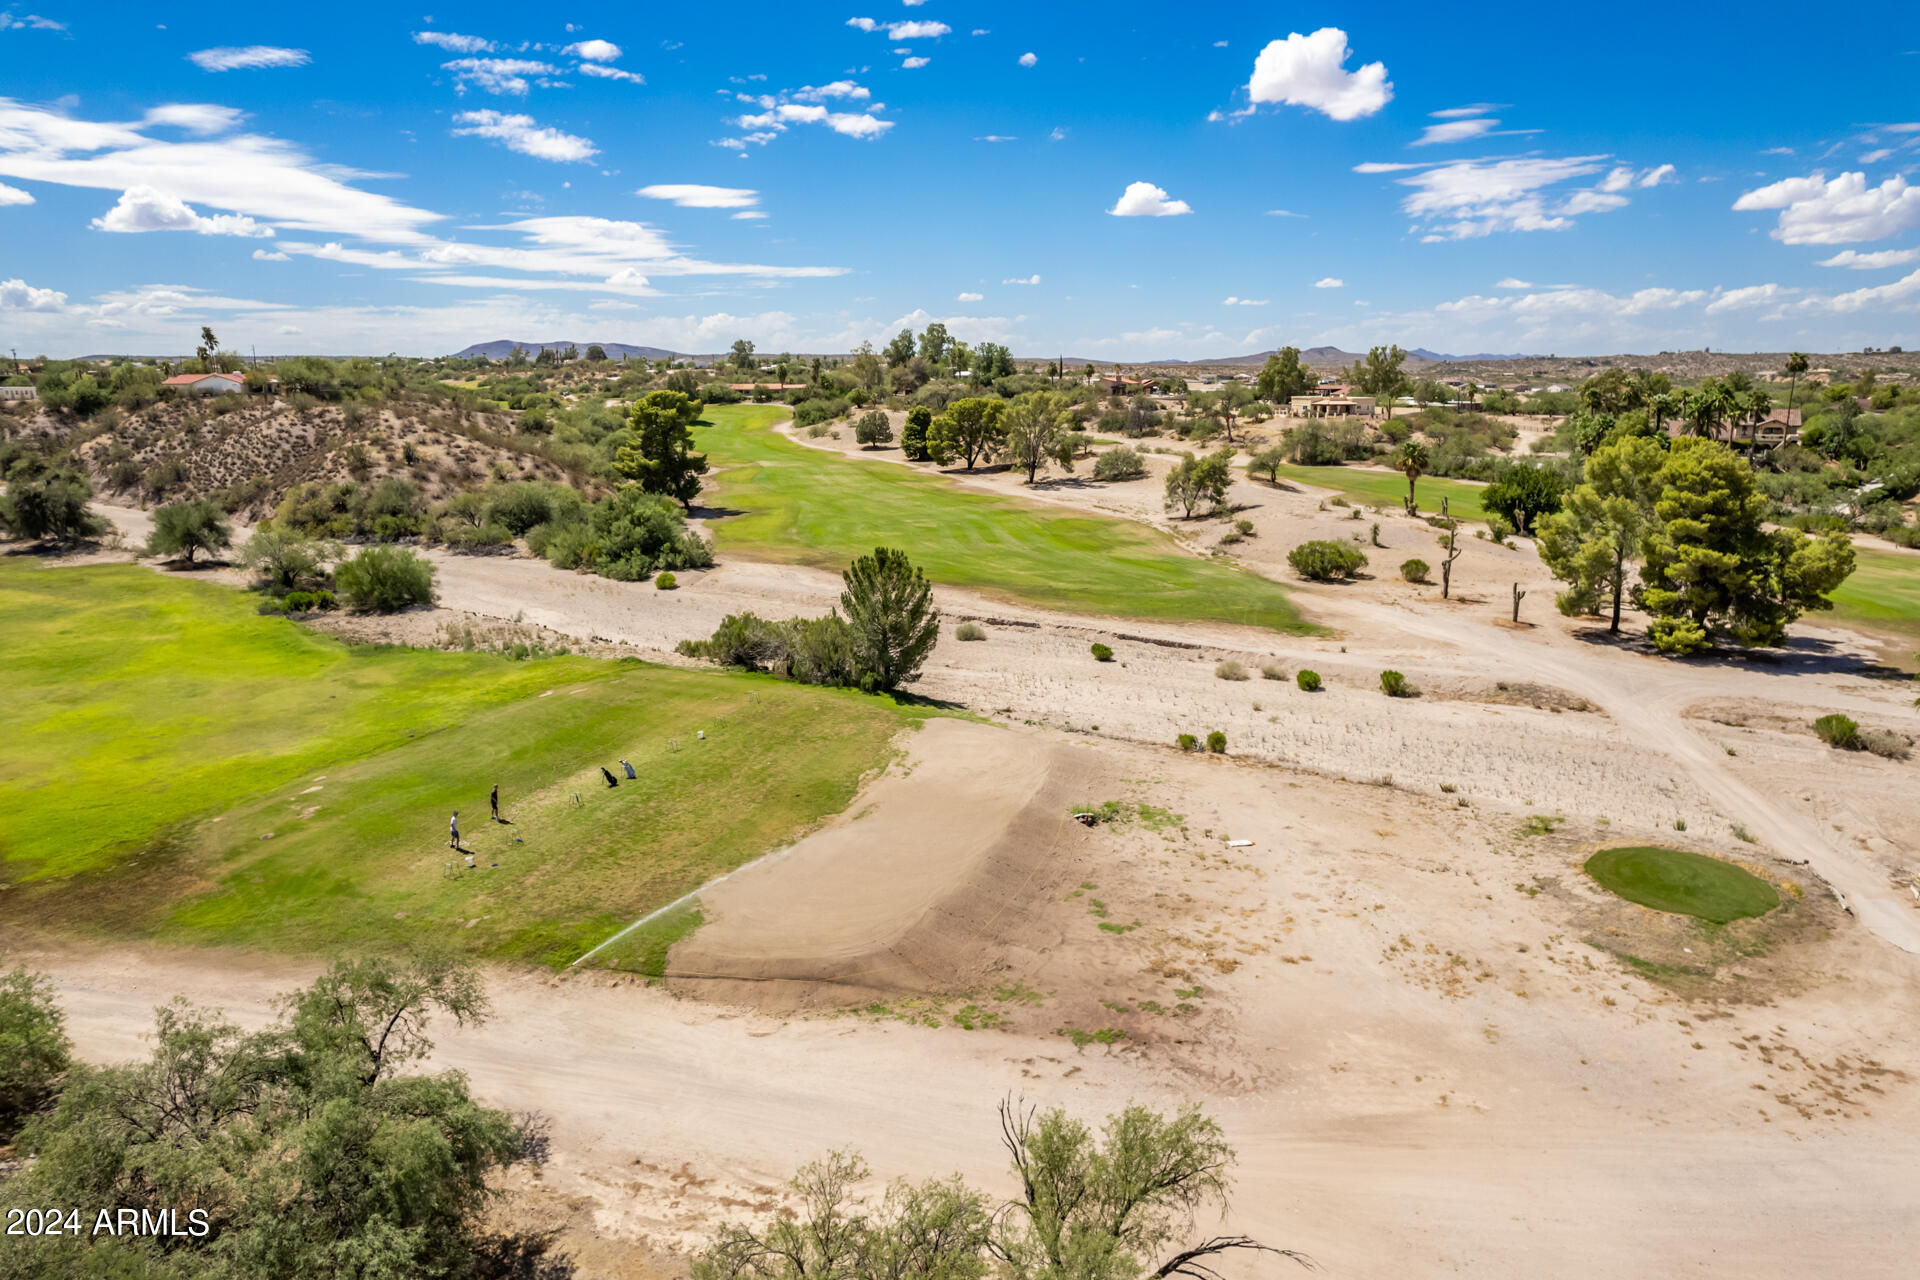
666, 1109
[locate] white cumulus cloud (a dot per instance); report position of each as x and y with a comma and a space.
603, 72
1330, 282
1244, 302
1144, 200
497, 75
914, 64
1310, 71
970, 297
1454, 131
1029, 59
1814, 210
18, 295
146, 209
14, 195
1032, 279
520, 133
594, 50
249, 58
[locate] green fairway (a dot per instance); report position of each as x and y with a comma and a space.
177, 767
1688, 884
806, 506
1389, 489
1882, 594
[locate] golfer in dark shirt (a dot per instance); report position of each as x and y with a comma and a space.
608, 774
493, 798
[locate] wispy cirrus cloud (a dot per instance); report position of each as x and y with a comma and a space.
251, 57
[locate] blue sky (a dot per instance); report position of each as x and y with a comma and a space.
1122, 181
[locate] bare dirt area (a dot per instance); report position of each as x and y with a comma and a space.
1413, 1021
1363, 936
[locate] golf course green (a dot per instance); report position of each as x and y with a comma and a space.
177, 767
806, 506
1688, 884
1389, 489
1881, 595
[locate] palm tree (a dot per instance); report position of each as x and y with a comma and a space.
1412, 460
1663, 405
1796, 365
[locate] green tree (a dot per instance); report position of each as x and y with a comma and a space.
309, 1147
913, 438
900, 350
189, 527
660, 456
889, 606
1713, 569
1269, 460
742, 357
873, 429
1411, 460
1196, 483
1595, 536
1231, 401
1036, 433
1522, 493
596, 354
867, 367
34, 1053
51, 506
209, 346
1284, 377
1380, 376
1120, 1205
971, 429
934, 341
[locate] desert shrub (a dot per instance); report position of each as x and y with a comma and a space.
163, 477
1119, 464
385, 579
1187, 742
1273, 671
469, 537
1395, 685
626, 537
34, 1053
187, 528
1101, 653
284, 560
666, 582
1217, 743
122, 474
1837, 730
969, 631
1903, 536
1309, 681
1499, 528
1228, 669
1415, 570
812, 413
308, 601
524, 505
1243, 527
1886, 744
1323, 560
52, 506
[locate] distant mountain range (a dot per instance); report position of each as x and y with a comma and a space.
500, 349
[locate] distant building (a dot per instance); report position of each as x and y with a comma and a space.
206, 384
19, 393
1341, 406
1130, 386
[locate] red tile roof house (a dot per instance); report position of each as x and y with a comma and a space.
206, 384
